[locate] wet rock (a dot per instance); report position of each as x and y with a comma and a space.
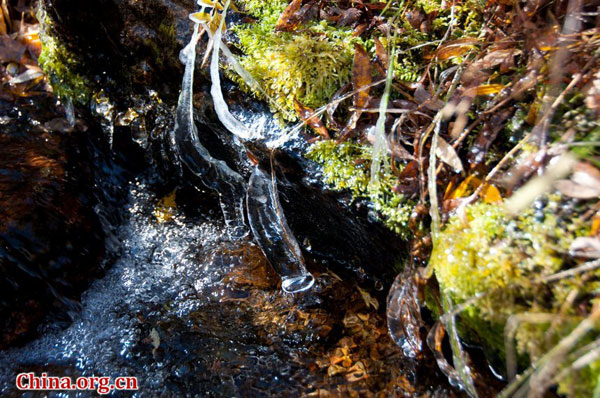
130, 51
51, 242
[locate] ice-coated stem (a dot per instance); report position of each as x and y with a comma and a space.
273, 234
214, 173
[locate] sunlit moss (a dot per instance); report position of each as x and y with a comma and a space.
503, 259
309, 65
59, 64
347, 166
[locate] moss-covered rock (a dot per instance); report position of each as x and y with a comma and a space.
309, 66
61, 65
505, 260
347, 166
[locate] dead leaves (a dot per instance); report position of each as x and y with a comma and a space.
584, 183
448, 155
306, 114
361, 78
288, 21
455, 48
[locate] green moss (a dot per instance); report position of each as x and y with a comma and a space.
346, 166
309, 65
60, 66
487, 252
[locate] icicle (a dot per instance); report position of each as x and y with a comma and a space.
221, 108
404, 313
273, 234
70, 112
214, 173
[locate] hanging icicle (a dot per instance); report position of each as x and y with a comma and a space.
214, 173
273, 234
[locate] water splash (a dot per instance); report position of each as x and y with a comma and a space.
214, 173
273, 234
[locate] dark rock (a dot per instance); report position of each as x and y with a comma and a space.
130, 49
51, 242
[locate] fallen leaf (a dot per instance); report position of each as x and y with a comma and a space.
455, 48
368, 299
448, 155
335, 370
28, 75
357, 372
287, 22
361, 76
488, 89
166, 207
382, 56
491, 194
584, 183
306, 114
585, 246
349, 17
155, 337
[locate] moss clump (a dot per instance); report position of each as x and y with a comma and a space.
59, 64
487, 252
347, 166
309, 65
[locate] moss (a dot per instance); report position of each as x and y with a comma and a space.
346, 166
60, 66
309, 66
490, 253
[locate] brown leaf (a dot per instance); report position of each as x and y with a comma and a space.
455, 48
382, 56
356, 372
349, 17
287, 22
361, 76
369, 300
306, 115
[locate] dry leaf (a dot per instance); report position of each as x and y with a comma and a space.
488, 89
287, 22
455, 48
361, 76
306, 115
166, 208
28, 75
368, 299
448, 155
382, 56
155, 337
583, 184
335, 370
585, 246
491, 194
356, 372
